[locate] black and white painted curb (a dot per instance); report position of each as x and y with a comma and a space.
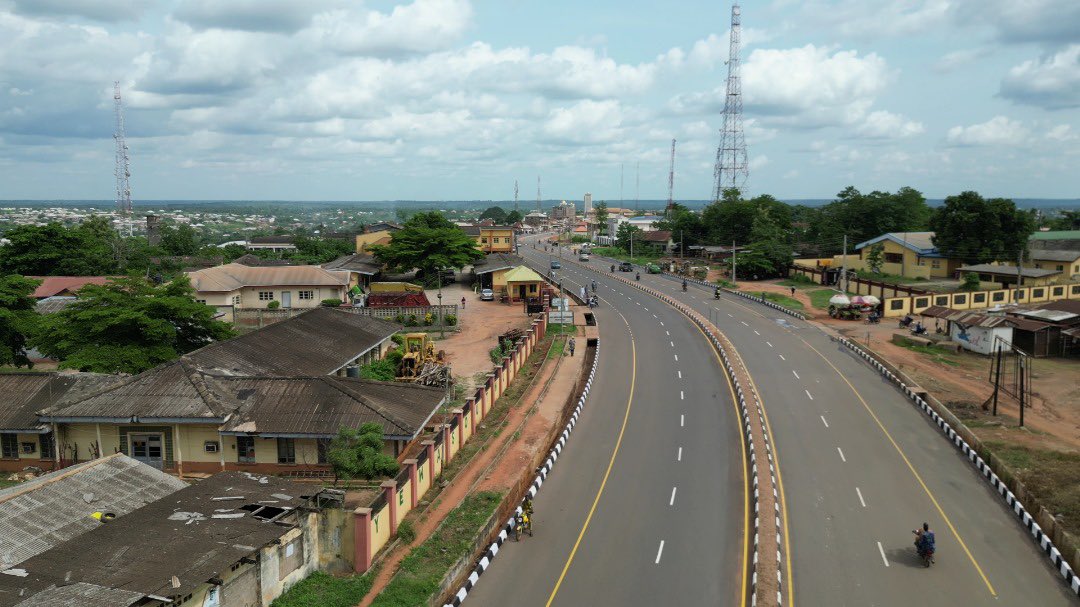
761, 300
541, 476
1025, 518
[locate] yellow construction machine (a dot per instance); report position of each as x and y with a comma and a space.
420, 358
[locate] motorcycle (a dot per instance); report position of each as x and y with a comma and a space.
637, 276
906, 321
522, 524
927, 554
716, 294
684, 286
918, 330
612, 267
594, 302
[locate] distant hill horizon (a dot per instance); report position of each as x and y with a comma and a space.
523, 206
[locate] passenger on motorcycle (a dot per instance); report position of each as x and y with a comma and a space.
924, 542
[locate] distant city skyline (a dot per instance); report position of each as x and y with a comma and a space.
328, 100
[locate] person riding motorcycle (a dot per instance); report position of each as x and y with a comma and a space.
716, 293
637, 275
612, 267
594, 286
924, 543
684, 284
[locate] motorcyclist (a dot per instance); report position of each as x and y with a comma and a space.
716, 293
594, 286
924, 542
684, 283
612, 267
637, 275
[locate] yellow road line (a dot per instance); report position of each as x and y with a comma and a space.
910, 467
611, 464
746, 467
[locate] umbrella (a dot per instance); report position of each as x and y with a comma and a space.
865, 300
840, 300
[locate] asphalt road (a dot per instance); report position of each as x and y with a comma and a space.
646, 505
860, 468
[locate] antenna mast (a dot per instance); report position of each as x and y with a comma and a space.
123, 166
732, 169
671, 180
538, 193
515, 195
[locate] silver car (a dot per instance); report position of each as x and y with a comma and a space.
487, 295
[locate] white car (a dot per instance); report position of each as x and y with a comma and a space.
487, 295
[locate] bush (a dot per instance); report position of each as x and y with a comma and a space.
273, 305
429, 319
971, 282
400, 319
380, 370
333, 302
802, 278
450, 320
496, 355
411, 320
398, 338
406, 532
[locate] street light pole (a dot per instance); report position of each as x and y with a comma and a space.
442, 329
734, 282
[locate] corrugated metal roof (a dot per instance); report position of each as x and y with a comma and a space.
496, 261
322, 405
317, 342
83, 595
51, 509
522, 274
1053, 316
1054, 255
27, 393
55, 285
233, 276
361, 263
920, 242
1056, 235
989, 268
185, 534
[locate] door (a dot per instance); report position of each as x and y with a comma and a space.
147, 448
521, 292
286, 299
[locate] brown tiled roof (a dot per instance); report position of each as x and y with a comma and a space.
232, 276
187, 534
1062, 305
471, 230
657, 236
317, 342
319, 406
55, 285
497, 261
396, 300
24, 394
56, 507
254, 261
362, 263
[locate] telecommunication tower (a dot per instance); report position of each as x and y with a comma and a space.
732, 168
515, 195
123, 166
538, 194
671, 180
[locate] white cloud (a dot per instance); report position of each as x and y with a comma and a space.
1042, 21
1062, 132
999, 130
98, 10
1052, 82
585, 122
886, 125
249, 15
870, 19
954, 60
419, 27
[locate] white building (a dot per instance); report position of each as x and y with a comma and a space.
235, 286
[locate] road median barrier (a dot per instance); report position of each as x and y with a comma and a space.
962, 438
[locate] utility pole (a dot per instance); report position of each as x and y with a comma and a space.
123, 162
538, 194
732, 169
442, 333
682, 246
1021, 360
631, 246
671, 181
733, 261
1019, 276
843, 269
997, 377
622, 173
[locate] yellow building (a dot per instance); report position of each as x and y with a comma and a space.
235, 286
522, 283
491, 270
910, 254
367, 239
492, 239
1064, 261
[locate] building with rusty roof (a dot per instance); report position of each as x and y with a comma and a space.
235, 538
237, 286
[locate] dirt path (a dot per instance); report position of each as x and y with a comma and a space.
488, 470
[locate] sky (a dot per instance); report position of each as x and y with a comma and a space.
455, 100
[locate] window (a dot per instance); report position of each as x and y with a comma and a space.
286, 451
922, 302
960, 299
9, 445
1061, 268
28, 448
237, 300
1038, 292
211, 446
290, 557
245, 449
935, 263
266, 295
532, 288
1057, 291
45, 441
322, 446
941, 300
896, 304
202, 301
483, 239
998, 296
507, 241
978, 298
306, 294
894, 258
1038, 265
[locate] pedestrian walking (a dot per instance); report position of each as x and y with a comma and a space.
572, 345
583, 293
793, 291
463, 302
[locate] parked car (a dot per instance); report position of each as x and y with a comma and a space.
487, 295
583, 257
652, 268
555, 265
626, 266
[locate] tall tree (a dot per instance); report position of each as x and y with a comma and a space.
18, 319
769, 239
496, 214
979, 230
600, 212
179, 240
358, 453
427, 241
128, 325
685, 225
55, 250
513, 217
625, 233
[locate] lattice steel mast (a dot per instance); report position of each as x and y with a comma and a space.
732, 169
123, 164
538, 194
515, 195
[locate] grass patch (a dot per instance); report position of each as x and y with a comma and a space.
556, 349
820, 298
5, 483
561, 328
1052, 476
800, 282
326, 590
783, 300
421, 571
936, 353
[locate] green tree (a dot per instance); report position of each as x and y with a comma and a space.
979, 230
55, 250
496, 214
427, 241
179, 240
875, 258
769, 241
18, 319
359, 454
685, 226
128, 325
600, 212
971, 282
513, 217
624, 233
1069, 220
